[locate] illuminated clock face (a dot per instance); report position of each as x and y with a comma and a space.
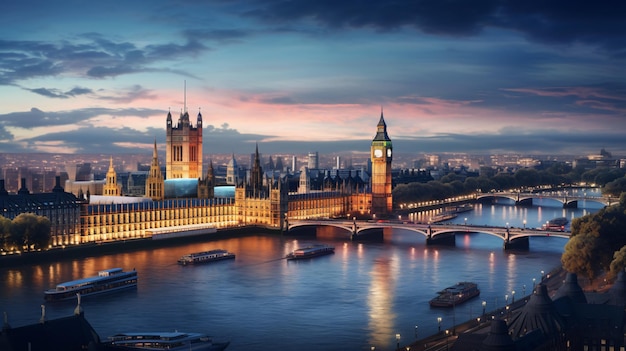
378, 153
388, 152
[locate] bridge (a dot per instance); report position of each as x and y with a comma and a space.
436, 234
568, 201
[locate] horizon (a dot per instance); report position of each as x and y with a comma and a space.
487, 78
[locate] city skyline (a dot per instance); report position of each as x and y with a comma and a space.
298, 76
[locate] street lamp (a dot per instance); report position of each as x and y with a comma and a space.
524, 224
484, 306
447, 332
533, 283
465, 220
542, 274
438, 323
513, 296
416, 332
506, 299
524, 290
398, 341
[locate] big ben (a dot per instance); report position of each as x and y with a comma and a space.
381, 156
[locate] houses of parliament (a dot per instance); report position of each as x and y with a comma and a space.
184, 198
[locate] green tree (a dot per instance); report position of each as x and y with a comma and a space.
30, 231
578, 256
615, 187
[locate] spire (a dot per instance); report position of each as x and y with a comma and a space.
185, 96
381, 128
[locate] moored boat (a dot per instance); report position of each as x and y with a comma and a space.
205, 257
310, 252
455, 294
164, 341
107, 280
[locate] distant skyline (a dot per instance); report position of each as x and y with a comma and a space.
485, 76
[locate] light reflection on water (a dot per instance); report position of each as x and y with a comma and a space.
361, 296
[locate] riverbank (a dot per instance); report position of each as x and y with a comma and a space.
96, 249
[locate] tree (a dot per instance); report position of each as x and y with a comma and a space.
5, 233
619, 262
578, 256
30, 231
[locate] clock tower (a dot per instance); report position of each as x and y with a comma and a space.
381, 156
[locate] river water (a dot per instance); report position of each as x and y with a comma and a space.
362, 296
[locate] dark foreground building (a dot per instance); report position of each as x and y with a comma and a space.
570, 320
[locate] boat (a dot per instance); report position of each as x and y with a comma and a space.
456, 294
172, 341
310, 252
205, 257
108, 280
556, 224
442, 217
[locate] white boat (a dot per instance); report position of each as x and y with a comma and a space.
107, 280
205, 257
172, 341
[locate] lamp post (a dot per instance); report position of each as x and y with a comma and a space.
447, 332
416, 332
439, 324
513, 296
398, 341
465, 219
524, 224
524, 290
542, 275
533, 283
484, 306
506, 299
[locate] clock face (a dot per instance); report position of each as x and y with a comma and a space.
388, 152
378, 153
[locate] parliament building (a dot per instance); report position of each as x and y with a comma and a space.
184, 198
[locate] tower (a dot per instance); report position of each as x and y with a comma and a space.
183, 155
111, 188
381, 156
155, 186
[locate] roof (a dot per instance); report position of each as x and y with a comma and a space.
538, 313
51, 335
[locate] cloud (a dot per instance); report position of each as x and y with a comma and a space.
38, 118
598, 24
58, 94
90, 56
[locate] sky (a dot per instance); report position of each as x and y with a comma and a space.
294, 76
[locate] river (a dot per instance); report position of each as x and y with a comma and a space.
360, 297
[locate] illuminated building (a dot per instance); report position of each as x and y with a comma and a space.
183, 156
111, 188
188, 199
381, 156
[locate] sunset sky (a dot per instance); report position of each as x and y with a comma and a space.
479, 76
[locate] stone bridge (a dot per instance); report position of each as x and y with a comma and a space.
435, 234
526, 199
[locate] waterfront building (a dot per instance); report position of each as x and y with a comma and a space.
183, 156
188, 198
381, 156
60, 207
